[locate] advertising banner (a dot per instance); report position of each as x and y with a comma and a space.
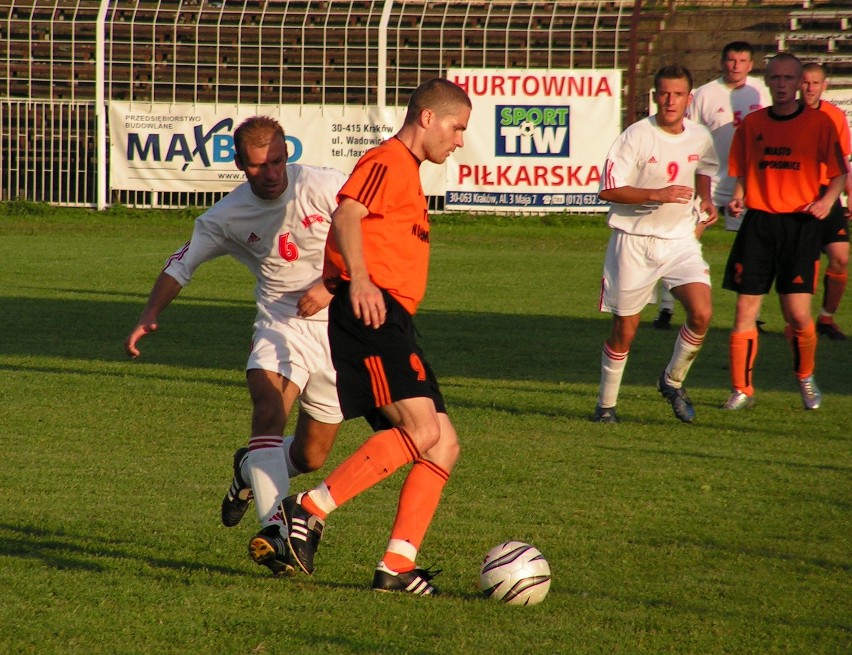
186, 147
537, 139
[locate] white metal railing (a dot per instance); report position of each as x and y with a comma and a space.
48, 151
70, 58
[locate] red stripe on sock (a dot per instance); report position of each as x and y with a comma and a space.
690, 337
259, 443
614, 356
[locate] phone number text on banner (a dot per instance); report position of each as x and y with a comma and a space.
536, 139
190, 147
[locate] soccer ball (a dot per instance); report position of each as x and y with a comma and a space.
515, 573
526, 129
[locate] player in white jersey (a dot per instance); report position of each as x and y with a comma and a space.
657, 181
721, 105
275, 224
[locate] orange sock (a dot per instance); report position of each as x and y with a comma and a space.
312, 507
418, 500
742, 352
804, 344
376, 459
834, 285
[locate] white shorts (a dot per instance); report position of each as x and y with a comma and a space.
298, 349
635, 264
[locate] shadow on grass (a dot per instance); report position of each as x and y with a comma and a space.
753, 553
558, 349
62, 550
200, 333
191, 334
67, 551
739, 458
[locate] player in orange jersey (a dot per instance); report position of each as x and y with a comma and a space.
836, 225
777, 156
376, 265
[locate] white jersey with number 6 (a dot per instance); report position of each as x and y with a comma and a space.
281, 241
644, 156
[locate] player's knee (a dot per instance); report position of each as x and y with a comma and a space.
425, 436
451, 455
446, 452
838, 264
699, 319
799, 320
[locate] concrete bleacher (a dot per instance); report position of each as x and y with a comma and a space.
152, 43
830, 17
822, 34
161, 51
823, 39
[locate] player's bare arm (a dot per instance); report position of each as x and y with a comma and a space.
821, 207
313, 300
736, 205
630, 195
709, 213
165, 289
368, 304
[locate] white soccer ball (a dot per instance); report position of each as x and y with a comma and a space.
515, 573
526, 129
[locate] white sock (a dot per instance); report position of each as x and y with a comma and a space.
322, 497
612, 370
270, 482
292, 471
686, 348
666, 299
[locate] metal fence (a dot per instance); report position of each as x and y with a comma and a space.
63, 61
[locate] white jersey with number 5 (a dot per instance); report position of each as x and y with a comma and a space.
721, 109
281, 241
644, 156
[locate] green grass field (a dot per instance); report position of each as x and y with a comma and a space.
730, 535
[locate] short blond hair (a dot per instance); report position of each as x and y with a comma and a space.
438, 95
258, 131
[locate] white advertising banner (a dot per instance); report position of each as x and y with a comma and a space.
186, 147
537, 139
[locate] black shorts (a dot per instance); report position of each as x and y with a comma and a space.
377, 367
835, 226
782, 247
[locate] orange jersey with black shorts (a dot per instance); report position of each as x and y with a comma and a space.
395, 232
780, 158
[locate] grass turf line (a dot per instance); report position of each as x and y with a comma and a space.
726, 536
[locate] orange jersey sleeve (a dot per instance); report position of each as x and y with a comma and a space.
781, 158
396, 230
838, 117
